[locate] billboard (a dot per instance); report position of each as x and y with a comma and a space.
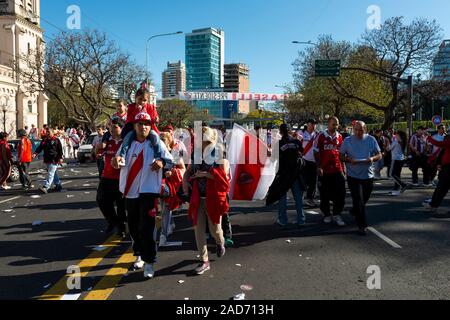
231, 96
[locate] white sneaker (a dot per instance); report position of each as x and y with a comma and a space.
162, 241
339, 221
139, 264
6, 187
395, 193
149, 273
328, 220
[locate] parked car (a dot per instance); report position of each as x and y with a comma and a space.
36, 164
85, 152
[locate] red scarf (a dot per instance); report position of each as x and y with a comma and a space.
134, 171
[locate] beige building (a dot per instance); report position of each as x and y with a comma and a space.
237, 79
173, 80
20, 36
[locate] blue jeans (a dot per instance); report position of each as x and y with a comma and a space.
282, 206
52, 176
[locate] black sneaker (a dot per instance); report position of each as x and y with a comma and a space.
58, 188
110, 228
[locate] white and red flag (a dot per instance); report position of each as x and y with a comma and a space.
252, 169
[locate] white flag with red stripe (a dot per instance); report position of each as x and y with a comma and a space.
252, 169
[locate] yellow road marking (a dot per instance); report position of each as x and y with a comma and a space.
108, 283
57, 291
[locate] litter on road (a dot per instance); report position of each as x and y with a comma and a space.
240, 296
35, 196
139, 297
246, 287
181, 281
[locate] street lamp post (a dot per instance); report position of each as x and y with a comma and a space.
4, 110
151, 38
305, 42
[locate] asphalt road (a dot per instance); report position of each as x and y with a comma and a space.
410, 246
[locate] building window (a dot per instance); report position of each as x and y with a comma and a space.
30, 107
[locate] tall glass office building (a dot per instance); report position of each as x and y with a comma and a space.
205, 55
441, 63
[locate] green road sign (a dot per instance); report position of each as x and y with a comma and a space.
328, 68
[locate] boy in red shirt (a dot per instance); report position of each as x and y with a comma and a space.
141, 105
108, 193
331, 172
24, 158
128, 133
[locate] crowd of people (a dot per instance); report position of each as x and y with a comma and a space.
70, 140
143, 171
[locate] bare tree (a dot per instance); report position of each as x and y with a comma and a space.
84, 72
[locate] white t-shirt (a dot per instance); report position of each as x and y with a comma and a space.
306, 137
135, 150
396, 151
146, 181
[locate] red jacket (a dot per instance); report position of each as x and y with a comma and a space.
217, 190
24, 151
444, 145
5, 152
328, 148
174, 183
133, 111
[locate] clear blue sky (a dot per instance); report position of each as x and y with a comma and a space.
258, 33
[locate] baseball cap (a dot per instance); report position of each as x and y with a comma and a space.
142, 117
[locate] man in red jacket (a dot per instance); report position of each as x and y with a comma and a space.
444, 175
24, 158
331, 173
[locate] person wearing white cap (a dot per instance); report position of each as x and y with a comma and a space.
140, 184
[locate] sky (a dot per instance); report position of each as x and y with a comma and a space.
257, 32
